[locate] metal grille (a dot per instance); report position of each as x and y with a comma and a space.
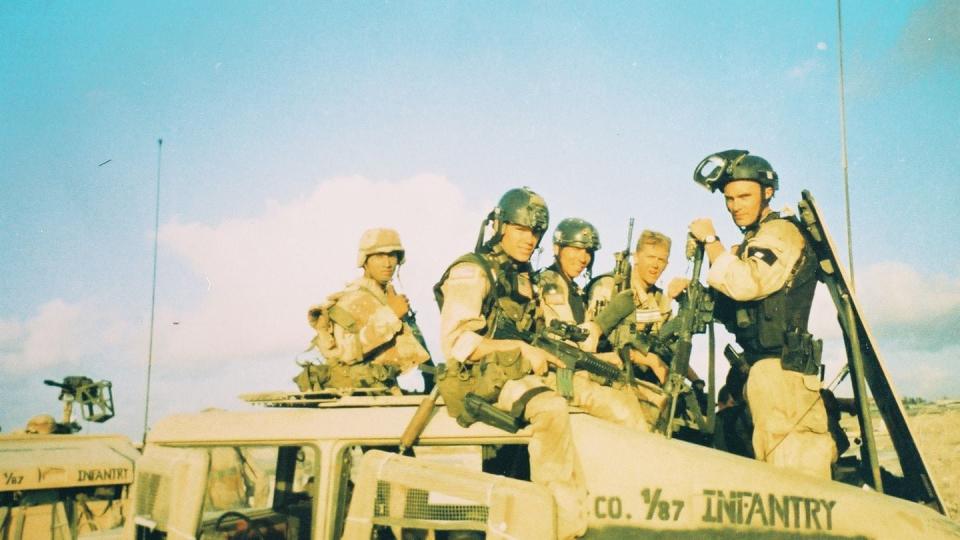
417, 506
153, 498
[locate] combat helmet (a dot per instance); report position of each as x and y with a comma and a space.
379, 241
522, 206
734, 165
577, 233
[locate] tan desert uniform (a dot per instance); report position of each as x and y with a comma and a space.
652, 308
790, 421
362, 339
554, 462
613, 405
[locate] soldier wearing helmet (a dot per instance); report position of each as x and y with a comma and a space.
480, 292
766, 287
631, 319
363, 331
574, 243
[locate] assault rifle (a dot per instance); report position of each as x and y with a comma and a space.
552, 340
676, 339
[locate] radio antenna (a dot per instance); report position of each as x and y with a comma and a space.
153, 292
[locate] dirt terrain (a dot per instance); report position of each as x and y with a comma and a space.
936, 427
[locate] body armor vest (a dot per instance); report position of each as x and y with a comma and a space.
511, 298
576, 298
760, 326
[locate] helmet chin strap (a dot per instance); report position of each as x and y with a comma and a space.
756, 220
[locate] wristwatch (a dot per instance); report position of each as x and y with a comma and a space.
711, 239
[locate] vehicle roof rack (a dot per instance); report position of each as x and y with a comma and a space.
331, 397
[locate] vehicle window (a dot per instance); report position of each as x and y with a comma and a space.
263, 491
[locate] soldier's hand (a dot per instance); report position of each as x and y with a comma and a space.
317, 317
540, 359
702, 228
593, 338
652, 361
691, 248
677, 285
399, 304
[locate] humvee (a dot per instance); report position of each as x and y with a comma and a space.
329, 465
62, 485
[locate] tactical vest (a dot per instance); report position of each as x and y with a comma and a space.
576, 298
510, 293
510, 300
760, 326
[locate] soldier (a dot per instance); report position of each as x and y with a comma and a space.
476, 294
574, 243
632, 323
363, 331
766, 288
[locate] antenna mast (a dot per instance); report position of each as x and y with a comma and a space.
153, 293
843, 147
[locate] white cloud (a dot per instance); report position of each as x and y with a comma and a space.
264, 273
821, 46
59, 333
895, 292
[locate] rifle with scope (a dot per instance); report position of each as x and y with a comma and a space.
554, 340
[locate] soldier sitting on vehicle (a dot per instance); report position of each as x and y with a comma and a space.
561, 298
631, 324
361, 331
492, 288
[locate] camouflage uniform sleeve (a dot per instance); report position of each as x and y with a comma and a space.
766, 262
555, 298
461, 316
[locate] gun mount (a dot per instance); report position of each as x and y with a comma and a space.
95, 399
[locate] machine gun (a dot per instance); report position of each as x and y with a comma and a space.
94, 398
552, 340
676, 339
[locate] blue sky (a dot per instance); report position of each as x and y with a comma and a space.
288, 128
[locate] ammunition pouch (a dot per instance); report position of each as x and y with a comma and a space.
801, 353
483, 379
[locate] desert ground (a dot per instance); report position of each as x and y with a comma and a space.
936, 427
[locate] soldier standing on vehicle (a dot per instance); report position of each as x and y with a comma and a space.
490, 287
766, 288
361, 330
574, 243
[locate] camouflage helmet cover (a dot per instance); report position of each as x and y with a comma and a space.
734, 165
577, 233
379, 241
522, 206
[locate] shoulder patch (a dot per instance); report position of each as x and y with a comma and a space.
554, 298
762, 254
465, 271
